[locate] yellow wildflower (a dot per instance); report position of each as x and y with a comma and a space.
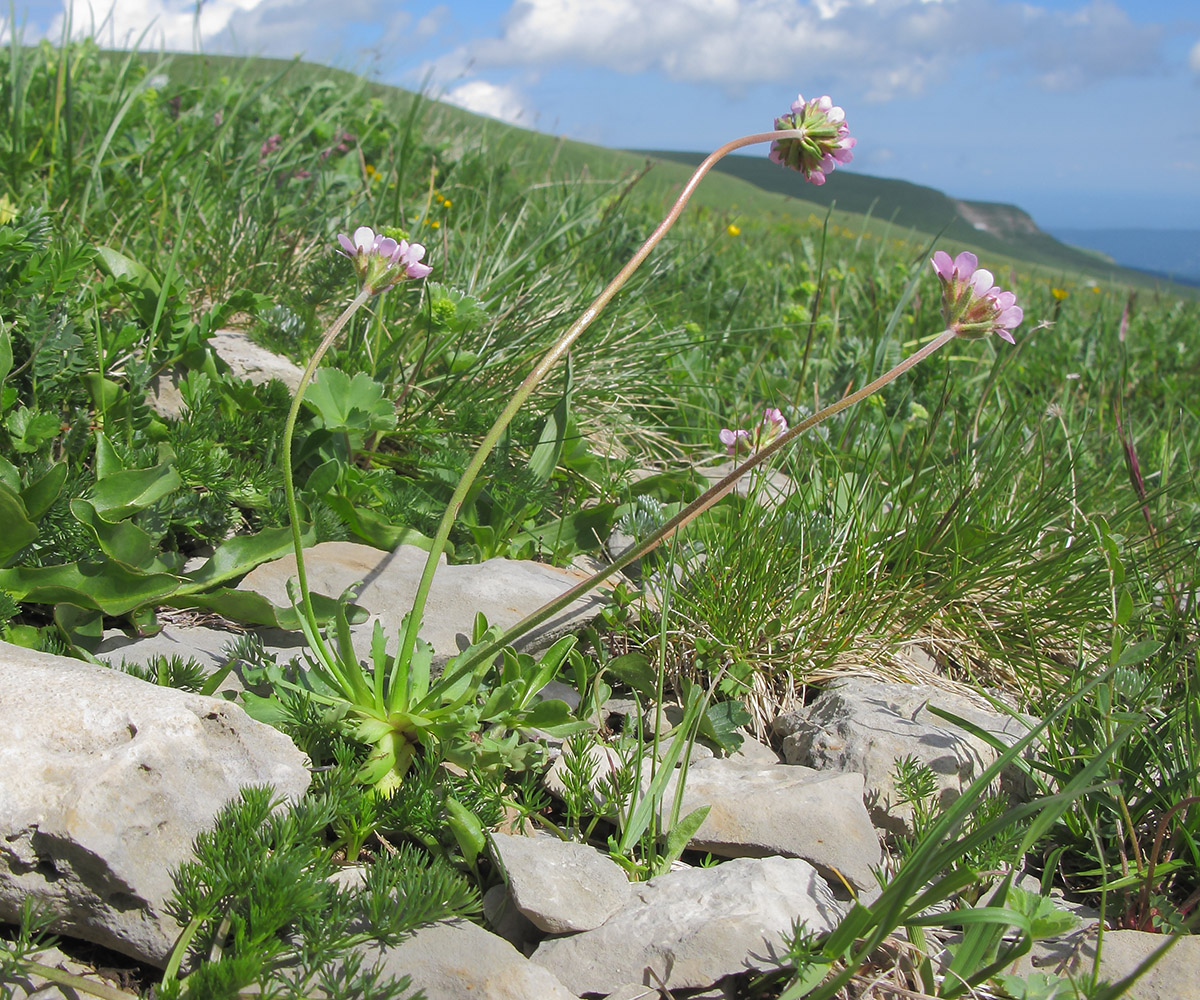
733, 230
1059, 293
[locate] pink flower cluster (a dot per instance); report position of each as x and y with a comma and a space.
826, 141
972, 303
773, 424
342, 141
382, 261
267, 148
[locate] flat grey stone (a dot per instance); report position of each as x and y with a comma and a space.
201, 643
505, 590
453, 959
768, 487
107, 781
247, 360
560, 885
758, 810
693, 927
1173, 977
865, 726
505, 919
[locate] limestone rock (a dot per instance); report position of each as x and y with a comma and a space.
560, 885
695, 926
107, 781
453, 959
769, 487
866, 726
1173, 977
505, 590
505, 919
247, 360
757, 811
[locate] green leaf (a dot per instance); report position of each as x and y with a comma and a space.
10, 475
721, 722
374, 530
122, 541
30, 429
324, 477
543, 460
6, 354
346, 404
1124, 606
585, 529
1035, 986
635, 670
679, 836
254, 609
104, 585
40, 494
83, 627
117, 265
124, 493
19, 531
107, 461
240, 554
467, 829
554, 717
1138, 652
105, 393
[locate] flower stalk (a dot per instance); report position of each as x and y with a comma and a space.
710, 497
551, 358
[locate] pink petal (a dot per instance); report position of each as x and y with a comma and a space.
942, 264
1011, 317
965, 264
364, 238
350, 249
982, 281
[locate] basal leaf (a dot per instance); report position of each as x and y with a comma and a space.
125, 493
104, 585
19, 531
543, 460
123, 541
239, 555
40, 494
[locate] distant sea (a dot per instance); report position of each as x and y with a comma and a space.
1173, 253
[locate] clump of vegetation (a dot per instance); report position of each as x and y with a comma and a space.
1029, 508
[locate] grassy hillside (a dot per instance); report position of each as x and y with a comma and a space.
988, 226
741, 185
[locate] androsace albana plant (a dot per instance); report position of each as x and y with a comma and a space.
394, 708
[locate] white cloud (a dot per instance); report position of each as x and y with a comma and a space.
166, 24
886, 48
494, 100
1194, 59
318, 28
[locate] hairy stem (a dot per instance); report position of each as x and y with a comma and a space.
289, 427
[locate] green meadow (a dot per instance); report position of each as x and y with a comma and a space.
1028, 514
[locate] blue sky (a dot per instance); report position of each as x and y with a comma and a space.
1082, 112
